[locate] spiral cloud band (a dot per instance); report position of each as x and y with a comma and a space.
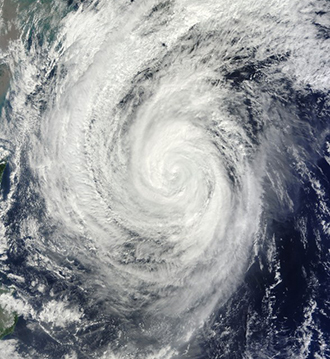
157, 179
147, 132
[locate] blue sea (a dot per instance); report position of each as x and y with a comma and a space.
166, 193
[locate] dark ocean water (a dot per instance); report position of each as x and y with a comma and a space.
167, 187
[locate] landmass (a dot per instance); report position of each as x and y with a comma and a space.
8, 320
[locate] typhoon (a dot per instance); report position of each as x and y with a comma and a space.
166, 189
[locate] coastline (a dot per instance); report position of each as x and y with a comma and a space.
8, 33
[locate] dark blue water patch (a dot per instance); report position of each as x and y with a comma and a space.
246, 323
26, 200
304, 257
249, 72
37, 338
53, 73
136, 96
26, 203
76, 4
267, 316
5, 184
33, 336
253, 70
98, 335
39, 32
160, 8
77, 336
318, 236
323, 167
296, 259
41, 96
35, 39
313, 107
59, 285
17, 253
25, 259
323, 32
248, 113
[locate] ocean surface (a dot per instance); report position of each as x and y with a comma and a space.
166, 194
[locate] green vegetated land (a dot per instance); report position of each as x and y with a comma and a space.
8, 33
8, 320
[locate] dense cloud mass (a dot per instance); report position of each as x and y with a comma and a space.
167, 187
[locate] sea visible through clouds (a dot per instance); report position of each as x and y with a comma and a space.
166, 184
